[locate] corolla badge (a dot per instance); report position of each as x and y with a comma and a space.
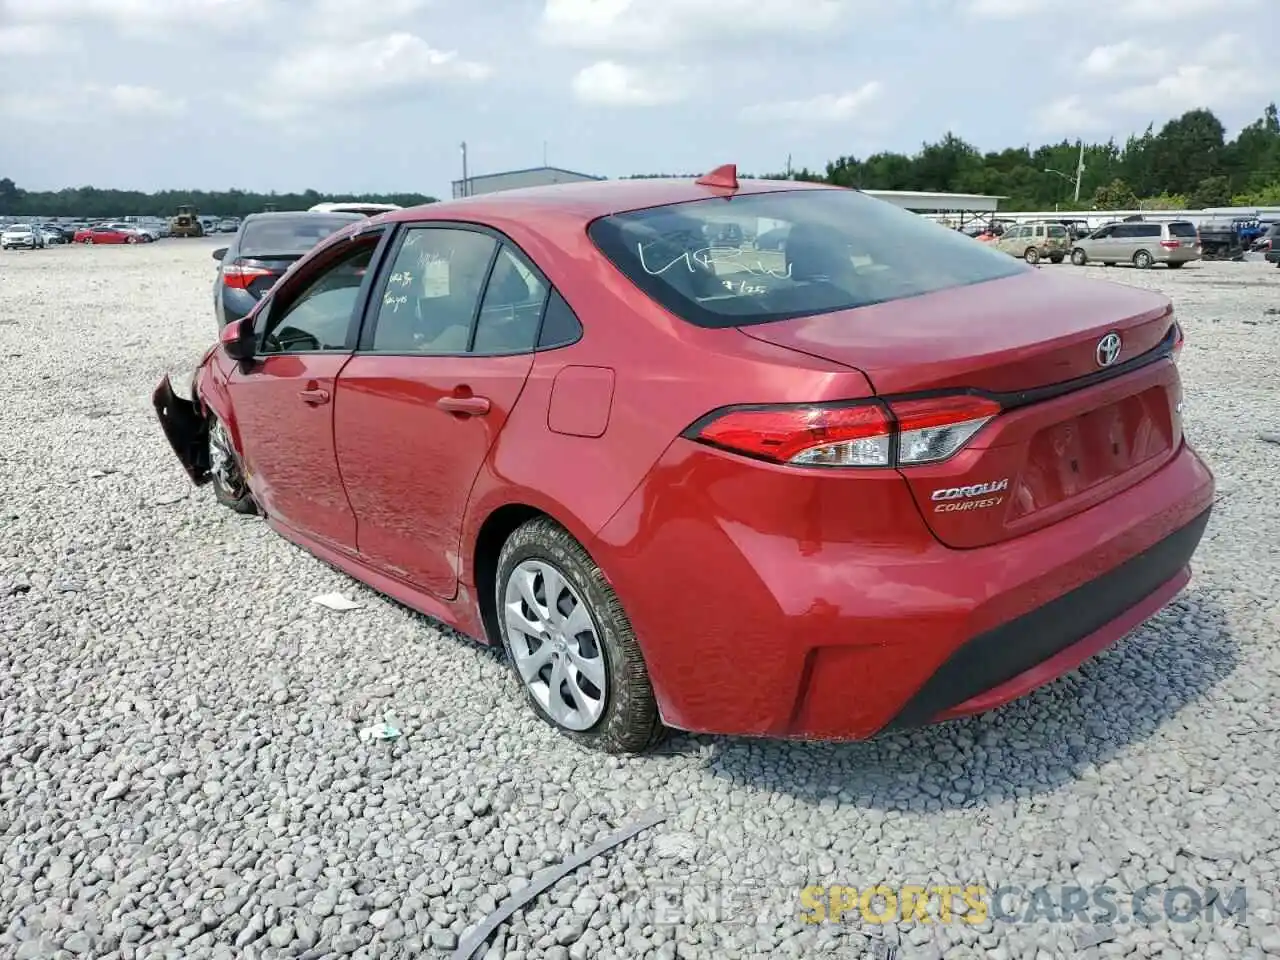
1108, 350
976, 496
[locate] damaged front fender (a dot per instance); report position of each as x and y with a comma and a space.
186, 429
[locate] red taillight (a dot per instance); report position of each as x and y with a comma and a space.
858, 434
1170, 244
242, 275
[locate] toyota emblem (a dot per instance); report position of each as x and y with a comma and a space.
1108, 351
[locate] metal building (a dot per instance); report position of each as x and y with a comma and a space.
514, 179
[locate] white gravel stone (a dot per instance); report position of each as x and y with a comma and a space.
181, 774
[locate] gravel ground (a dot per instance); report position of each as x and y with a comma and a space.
181, 771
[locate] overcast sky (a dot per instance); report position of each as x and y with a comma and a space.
376, 95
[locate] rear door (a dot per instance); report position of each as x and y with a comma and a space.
447, 344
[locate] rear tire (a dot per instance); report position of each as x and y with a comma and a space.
1057, 258
615, 712
1032, 256
1142, 260
1078, 257
1176, 265
226, 471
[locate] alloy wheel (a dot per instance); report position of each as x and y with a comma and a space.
554, 642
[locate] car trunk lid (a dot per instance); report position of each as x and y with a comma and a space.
1079, 423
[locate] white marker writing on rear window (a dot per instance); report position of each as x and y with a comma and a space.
705, 259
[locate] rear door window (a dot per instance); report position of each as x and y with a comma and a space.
1057, 231
842, 250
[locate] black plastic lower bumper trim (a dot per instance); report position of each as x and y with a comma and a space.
1000, 654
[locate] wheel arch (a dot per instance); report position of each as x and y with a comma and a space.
492, 532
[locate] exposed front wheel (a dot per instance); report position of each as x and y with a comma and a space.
570, 642
226, 472
1078, 257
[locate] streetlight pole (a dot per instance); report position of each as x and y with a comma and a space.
466, 187
1079, 172
1072, 180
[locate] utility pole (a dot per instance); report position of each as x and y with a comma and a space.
466, 187
1079, 172
788, 166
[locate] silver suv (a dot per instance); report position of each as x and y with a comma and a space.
1141, 243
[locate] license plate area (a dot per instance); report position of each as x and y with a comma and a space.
1073, 456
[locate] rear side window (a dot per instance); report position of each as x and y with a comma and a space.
842, 250
1182, 229
289, 236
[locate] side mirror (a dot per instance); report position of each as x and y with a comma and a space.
219, 253
237, 340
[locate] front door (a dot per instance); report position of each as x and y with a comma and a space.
283, 399
441, 363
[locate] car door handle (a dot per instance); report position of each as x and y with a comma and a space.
466, 406
314, 396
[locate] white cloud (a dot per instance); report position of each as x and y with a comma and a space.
148, 17
336, 73
661, 24
28, 39
1159, 11
824, 108
127, 100
351, 18
1067, 116
92, 102
1005, 9
1211, 75
615, 84
1127, 58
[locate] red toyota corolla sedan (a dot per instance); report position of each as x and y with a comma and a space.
880, 477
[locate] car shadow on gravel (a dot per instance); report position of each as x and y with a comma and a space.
1034, 745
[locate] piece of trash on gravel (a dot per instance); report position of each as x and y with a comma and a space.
170, 499
543, 880
1269, 437
382, 730
336, 601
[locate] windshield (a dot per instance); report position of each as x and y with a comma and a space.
290, 235
816, 251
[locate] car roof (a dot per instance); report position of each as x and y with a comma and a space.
585, 201
301, 215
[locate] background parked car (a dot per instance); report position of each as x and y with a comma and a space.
262, 249
145, 234
1142, 244
22, 236
106, 234
1034, 242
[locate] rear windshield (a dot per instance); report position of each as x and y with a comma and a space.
816, 251
1057, 231
1182, 229
290, 235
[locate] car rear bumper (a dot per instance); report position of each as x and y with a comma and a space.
836, 637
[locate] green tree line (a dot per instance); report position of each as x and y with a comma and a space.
93, 203
1188, 164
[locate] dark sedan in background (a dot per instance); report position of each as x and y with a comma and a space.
263, 248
